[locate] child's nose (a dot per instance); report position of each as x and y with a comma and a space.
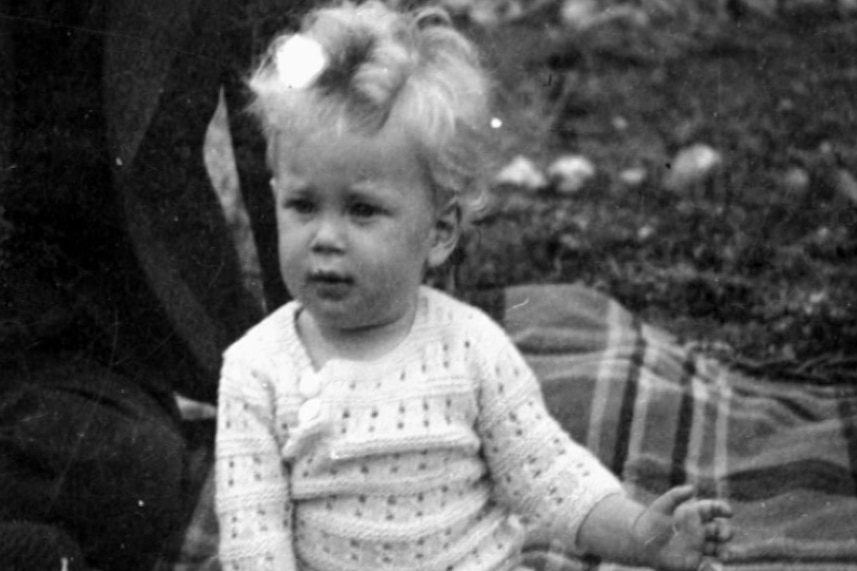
329, 235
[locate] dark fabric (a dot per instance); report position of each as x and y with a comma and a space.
104, 463
166, 61
173, 216
90, 353
68, 250
29, 547
107, 197
118, 283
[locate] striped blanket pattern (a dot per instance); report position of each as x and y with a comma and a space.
784, 454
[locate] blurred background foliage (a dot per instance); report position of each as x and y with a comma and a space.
748, 254
746, 249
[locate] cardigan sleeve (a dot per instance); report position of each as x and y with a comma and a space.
252, 483
538, 470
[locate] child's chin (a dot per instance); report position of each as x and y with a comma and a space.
347, 319
337, 314
333, 293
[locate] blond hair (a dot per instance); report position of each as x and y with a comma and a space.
384, 67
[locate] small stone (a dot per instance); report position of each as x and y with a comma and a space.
818, 297
579, 14
822, 235
620, 123
571, 173
846, 185
633, 177
796, 181
484, 15
571, 243
785, 105
691, 166
490, 13
645, 232
522, 172
762, 7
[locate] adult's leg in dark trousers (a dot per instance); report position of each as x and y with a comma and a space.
29, 546
67, 455
97, 458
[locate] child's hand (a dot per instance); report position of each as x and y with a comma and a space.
677, 531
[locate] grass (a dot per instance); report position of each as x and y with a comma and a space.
756, 265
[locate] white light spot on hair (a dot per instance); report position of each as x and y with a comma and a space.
496, 123
299, 61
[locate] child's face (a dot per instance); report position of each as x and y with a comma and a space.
357, 227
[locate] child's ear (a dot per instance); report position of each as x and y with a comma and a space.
447, 229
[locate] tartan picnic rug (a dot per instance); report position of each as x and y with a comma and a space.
784, 454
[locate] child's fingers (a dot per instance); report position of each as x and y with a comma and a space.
725, 532
717, 536
718, 531
673, 498
711, 509
718, 550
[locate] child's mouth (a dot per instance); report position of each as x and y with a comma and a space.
330, 285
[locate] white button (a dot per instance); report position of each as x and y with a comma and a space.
309, 411
310, 386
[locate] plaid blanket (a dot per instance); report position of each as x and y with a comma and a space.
785, 455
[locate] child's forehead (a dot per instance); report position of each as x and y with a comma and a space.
389, 152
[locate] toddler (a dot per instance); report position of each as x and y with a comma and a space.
373, 422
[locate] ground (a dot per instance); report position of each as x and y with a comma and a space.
758, 265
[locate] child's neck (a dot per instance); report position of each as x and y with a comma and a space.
369, 343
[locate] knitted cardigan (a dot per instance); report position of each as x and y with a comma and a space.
419, 460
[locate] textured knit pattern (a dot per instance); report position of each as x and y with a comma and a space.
417, 461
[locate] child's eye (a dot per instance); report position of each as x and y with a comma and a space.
300, 205
364, 210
